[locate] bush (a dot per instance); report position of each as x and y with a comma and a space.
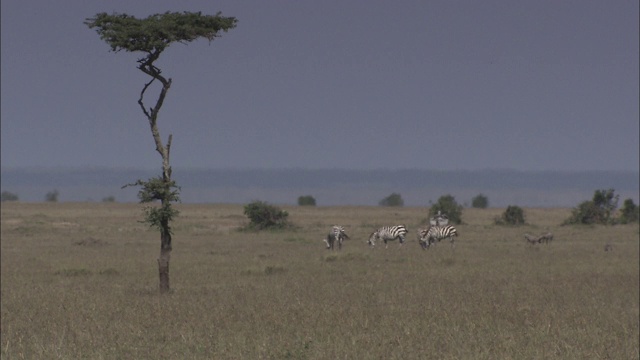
480, 202
630, 212
392, 200
52, 196
307, 200
8, 196
448, 206
513, 215
596, 211
265, 216
109, 198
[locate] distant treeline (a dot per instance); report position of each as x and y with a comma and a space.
328, 186
285, 178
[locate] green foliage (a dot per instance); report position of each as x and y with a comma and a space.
630, 212
480, 202
513, 215
265, 216
166, 191
157, 188
51, 196
394, 199
109, 198
307, 200
8, 196
448, 206
585, 213
156, 32
596, 211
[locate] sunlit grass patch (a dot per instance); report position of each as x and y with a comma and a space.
109, 272
73, 272
265, 270
296, 239
89, 241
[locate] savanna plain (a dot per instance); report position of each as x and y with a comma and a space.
80, 281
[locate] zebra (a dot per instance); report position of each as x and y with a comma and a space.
388, 233
337, 233
546, 238
439, 219
432, 234
531, 240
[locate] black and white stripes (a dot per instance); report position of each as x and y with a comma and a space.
388, 233
338, 234
428, 236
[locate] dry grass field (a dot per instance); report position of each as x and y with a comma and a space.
79, 281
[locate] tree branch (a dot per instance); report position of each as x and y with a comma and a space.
140, 102
146, 66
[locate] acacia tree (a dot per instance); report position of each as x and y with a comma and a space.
151, 36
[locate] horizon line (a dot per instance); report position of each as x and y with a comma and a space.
202, 168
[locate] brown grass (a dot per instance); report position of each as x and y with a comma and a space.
79, 280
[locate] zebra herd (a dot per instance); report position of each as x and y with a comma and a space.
439, 229
426, 237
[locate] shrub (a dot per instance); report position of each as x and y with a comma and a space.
448, 206
596, 211
307, 200
394, 199
265, 216
480, 202
513, 215
8, 196
52, 196
630, 212
109, 198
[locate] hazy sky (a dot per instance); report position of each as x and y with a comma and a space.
526, 85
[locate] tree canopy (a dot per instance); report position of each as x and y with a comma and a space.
156, 32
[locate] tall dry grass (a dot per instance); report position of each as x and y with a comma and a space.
79, 281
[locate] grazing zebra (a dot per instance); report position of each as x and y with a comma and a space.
422, 235
388, 233
532, 240
436, 233
337, 234
546, 238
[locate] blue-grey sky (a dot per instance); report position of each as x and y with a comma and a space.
526, 85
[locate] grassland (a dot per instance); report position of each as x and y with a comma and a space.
79, 281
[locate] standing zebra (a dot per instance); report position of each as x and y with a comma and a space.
546, 238
436, 233
337, 234
531, 240
388, 233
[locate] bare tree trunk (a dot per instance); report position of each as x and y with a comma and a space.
146, 65
163, 268
165, 256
